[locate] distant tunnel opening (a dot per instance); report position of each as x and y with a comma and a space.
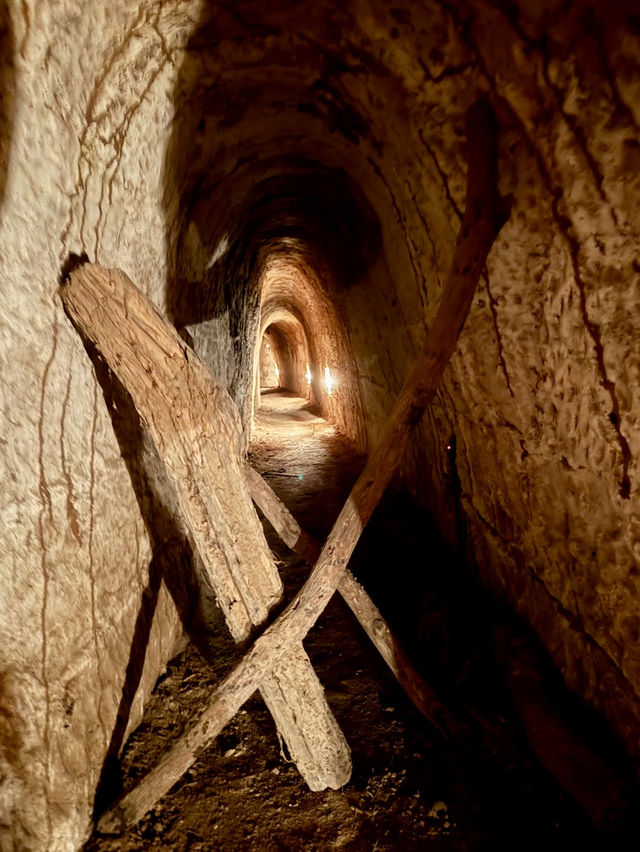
302, 343
284, 357
269, 375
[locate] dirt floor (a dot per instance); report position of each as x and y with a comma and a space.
488, 789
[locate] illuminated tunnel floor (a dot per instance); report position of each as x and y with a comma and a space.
307, 462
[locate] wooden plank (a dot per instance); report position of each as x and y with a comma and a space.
279, 516
293, 693
358, 600
196, 429
423, 697
485, 213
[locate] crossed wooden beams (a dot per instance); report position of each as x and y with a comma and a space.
371, 619
196, 429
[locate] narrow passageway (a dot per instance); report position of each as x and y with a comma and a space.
410, 789
334, 197
306, 461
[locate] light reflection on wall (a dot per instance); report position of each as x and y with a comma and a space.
329, 381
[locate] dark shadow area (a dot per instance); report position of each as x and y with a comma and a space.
232, 182
7, 92
490, 669
307, 210
72, 262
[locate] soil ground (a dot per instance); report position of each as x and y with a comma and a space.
410, 788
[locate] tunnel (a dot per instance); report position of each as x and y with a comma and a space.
287, 190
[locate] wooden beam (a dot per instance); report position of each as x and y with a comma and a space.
279, 516
196, 429
359, 602
485, 213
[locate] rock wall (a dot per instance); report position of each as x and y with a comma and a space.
540, 398
86, 621
268, 378
192, 144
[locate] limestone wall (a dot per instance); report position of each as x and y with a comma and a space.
542, 396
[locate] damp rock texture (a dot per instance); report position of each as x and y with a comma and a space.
309, 158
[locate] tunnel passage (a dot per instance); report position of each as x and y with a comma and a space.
284, 257
352, 171
284, 358
308, 335
185, 142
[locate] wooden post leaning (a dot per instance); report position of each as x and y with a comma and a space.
359, 602
485, 213
196, 429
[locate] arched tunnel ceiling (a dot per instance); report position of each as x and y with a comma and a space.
289, 351
292, 123
300, 209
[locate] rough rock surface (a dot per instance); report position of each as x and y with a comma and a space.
81, 600
209, 149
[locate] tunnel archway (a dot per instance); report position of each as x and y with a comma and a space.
296, 305
284, 356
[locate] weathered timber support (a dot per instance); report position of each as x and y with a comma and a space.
279, 516
485, 213
196, 429
359, 602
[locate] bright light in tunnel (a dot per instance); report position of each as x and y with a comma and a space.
328, 381
276, 370
307, 375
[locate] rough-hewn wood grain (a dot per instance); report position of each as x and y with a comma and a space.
196, 429
279, 516
485, 213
